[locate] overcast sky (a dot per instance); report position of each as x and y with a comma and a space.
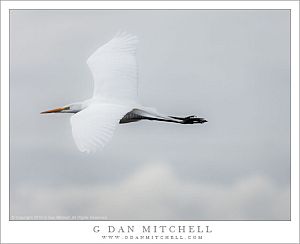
231, 67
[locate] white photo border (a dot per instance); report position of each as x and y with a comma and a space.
83, 231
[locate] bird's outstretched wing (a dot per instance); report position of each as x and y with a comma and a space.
93, 127
114, 69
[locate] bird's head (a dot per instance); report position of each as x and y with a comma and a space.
70, 108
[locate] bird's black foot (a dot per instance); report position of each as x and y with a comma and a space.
190, 120
193, 120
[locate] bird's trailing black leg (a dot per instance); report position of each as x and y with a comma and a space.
132, 116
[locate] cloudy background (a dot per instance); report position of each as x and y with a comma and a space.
230, 67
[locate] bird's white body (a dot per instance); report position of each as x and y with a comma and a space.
115, 73
94, 125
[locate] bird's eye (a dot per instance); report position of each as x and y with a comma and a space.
67, 108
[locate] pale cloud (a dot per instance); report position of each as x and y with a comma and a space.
155, 192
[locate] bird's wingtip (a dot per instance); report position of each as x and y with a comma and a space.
126, 35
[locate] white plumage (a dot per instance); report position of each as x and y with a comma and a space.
114, 99
114, 70
93, 127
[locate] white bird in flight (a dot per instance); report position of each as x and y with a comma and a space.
115, 97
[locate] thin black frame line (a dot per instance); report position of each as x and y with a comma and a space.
173, 0
139, 9
150, 242
290, 23
291, 117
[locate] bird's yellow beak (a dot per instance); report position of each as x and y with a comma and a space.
56, 110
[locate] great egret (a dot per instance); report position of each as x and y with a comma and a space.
114, 100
